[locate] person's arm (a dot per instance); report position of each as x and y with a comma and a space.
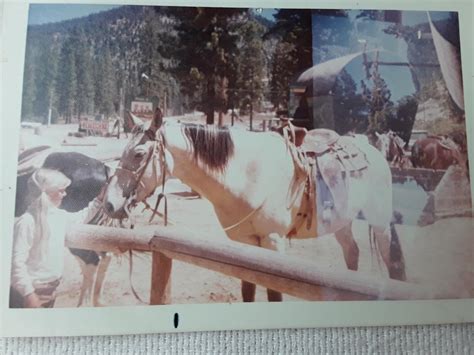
22, 243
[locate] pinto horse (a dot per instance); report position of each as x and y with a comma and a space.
251, 180
87, 177
392, 147
436, 152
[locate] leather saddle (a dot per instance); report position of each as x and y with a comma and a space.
319, 141
335, 158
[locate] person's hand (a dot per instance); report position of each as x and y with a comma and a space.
32, 301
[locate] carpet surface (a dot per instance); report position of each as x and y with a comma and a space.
441, 339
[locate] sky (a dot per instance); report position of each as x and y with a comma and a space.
399, 79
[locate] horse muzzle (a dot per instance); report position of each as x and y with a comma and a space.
113, 212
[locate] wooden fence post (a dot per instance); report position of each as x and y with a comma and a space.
160, 279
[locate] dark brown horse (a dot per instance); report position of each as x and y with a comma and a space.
436, 152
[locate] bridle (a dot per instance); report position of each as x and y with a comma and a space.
157, 151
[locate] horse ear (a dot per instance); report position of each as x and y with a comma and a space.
157, 120
135, 119
377, 134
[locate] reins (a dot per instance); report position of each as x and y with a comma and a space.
161, 195
138, 175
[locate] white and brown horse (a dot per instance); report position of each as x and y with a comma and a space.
253, 184
392, 147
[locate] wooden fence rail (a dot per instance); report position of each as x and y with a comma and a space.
284, 273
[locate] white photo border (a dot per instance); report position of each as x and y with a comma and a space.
202, 317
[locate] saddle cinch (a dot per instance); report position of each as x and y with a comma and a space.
326, 159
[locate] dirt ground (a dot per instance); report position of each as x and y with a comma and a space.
440, 254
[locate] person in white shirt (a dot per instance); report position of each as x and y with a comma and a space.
38, 245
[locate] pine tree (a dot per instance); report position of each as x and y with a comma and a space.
29, 88
349, 107
67, 80
85, 87
107, 84
381, 108
206, 46
251, 69
293, 53
282, 71
46, 96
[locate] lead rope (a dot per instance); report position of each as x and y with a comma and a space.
130, 263
162, 195
245, 218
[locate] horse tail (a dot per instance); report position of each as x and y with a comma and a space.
397, 261
415, 154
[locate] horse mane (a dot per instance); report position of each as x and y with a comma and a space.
212, 146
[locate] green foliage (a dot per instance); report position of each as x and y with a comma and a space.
207, 46
107, 89
407, 108
350, 110
67, 79
29, 87
293, 53
191, 58
377, 97
85, 85
45, 81
283, 72
251, 65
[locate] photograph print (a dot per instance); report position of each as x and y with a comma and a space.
196, 155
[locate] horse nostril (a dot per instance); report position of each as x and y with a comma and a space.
109, 207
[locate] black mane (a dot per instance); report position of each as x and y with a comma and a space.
212, 146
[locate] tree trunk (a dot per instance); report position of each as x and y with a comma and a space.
211, 100
251, 116
221, 119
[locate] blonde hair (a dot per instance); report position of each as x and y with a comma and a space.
48, 180
42, 182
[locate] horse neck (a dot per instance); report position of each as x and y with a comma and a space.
253, 153
209, 184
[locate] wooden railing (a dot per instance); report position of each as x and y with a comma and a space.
280, 272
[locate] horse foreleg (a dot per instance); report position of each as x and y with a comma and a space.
99, 280
397, 261
391, 252
248, 288
88, 272
277, 243
248, 291
345, 238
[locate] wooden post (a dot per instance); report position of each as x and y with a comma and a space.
160, 279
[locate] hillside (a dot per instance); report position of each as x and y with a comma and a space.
101, 62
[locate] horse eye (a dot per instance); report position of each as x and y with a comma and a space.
139, 154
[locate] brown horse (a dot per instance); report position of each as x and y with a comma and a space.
436, 152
